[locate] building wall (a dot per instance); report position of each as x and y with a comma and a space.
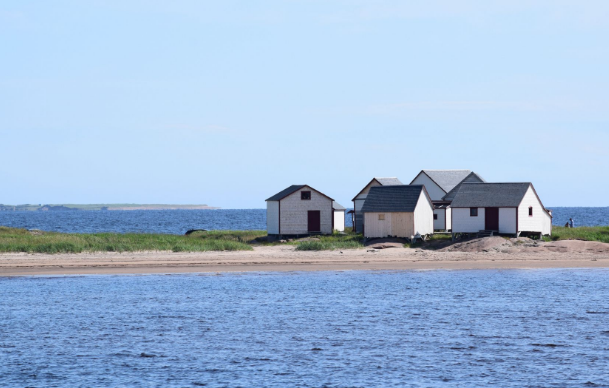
272, 217
507, 220
339, 220
463, 223
540, 221
439, 223
449, 214
434, 191
394, 224
359, 202
423, 215
294, 216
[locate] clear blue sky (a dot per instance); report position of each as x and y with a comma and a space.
228, 102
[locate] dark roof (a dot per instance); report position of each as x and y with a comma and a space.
446, 179
471, 178
389, 181
490, 194
284, 193
292, 189
337, 206
390, 199
383, 182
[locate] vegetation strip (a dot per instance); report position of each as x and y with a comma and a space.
35, 241
22, 240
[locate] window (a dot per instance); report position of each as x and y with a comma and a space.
473, 212
305, 195
381, 217
435, 216
530, 211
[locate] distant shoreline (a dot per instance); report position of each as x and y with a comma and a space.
103, 207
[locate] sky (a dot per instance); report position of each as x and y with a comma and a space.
227, 102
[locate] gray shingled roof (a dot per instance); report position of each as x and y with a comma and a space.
337, 206
490, 194
471, 178
392, 199
447, 179
389, 181
284, 193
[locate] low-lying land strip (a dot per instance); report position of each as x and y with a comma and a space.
26, 252
116, 206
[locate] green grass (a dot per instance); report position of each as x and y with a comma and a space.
592, 233
332, 242
21, 240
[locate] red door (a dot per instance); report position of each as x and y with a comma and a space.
491, 218
314, 221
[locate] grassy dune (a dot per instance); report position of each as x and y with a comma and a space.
332, 242
21, 240
592, 233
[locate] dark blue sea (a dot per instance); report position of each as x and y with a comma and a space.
511, 328
179, 221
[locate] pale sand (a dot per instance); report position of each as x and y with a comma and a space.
576, 254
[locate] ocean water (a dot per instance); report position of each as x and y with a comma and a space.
179, 221
510, 328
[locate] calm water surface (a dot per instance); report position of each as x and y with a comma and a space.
333, 329
179, 221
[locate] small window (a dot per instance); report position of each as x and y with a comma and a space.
530, 211
473, 212
305, 195
381, 217
435, 216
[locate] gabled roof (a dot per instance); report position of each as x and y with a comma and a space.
471, 178
337, 206
291, 190
390, 199
490, 194
391, 181
445, 179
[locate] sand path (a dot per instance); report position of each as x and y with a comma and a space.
567, 254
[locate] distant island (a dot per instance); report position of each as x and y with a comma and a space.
110, 207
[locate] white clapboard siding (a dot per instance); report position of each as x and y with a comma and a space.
464, 223
423, 215
339, 220
449, 213
507, 220
434, 191
438, 224
540, 221
294, 212
272, 217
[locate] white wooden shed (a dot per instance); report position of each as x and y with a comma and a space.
360, 198
299, 210
504, 208
339, 216
441, 186
397, 211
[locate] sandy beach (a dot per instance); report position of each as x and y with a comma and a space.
493, 253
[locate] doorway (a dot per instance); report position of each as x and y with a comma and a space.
491, 218
314, 221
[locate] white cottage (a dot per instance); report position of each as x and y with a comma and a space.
360, 198
299, 210
397, 211
504, 208
441, 186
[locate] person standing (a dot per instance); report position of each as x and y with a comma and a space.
571, 224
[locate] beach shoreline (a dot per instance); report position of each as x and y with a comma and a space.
287, 259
